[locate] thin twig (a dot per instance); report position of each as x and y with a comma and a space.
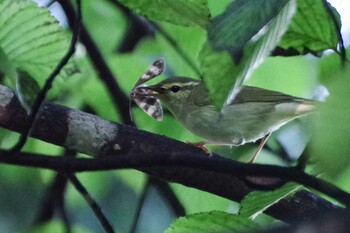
139, 207
177, 48
63, 212
48, 84
166, 191
166, 36
92, 203
54, 199
120, 100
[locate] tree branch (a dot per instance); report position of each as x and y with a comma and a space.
156, 155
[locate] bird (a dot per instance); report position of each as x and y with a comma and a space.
254, 113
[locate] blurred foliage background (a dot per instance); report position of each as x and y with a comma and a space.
119, 192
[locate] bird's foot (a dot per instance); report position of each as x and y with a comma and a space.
201, 145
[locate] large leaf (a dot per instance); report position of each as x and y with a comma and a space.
219, 73
331, 147
181, 12
210, 222
31, 38
27, 90
256, 202
224, 78
312, 28
6, 67
241, 21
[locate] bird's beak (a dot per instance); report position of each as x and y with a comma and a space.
154, 90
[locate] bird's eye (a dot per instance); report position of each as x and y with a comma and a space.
175, 88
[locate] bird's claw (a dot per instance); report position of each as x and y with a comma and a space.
201, 146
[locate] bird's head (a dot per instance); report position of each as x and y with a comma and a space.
174, 92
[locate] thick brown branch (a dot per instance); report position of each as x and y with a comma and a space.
89, 134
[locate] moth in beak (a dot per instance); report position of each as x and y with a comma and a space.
144, 96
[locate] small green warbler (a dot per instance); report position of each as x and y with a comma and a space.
254, 113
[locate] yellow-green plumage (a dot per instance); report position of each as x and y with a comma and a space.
254, 113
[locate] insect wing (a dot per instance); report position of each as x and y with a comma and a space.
153, 71
150, 105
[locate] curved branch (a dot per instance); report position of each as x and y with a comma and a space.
156, 162
186, 164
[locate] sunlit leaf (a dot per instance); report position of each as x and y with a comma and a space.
331, 67
241, 21
181, 12
7, 68
27, 90
312, 28
210, 222
219, 73
330, 144
256, 202
31, 38
223, 78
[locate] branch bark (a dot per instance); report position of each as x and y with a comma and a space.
86, 133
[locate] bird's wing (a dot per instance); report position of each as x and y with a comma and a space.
256, 94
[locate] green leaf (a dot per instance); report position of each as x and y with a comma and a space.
203, 201
181, 12
223, 78
257, 202
330, 143
219, 72
6, 67
31, 38
312, 28
210, 222
27, 90
58, 226
331, 67
235, 27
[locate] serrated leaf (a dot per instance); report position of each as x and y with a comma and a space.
224, 78
257, 202
180, 12
210, 222
218, 70
27, 90
240, 22
6, 67
31, 38
312, 29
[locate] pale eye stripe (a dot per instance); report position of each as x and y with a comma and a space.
190, 84
182, 84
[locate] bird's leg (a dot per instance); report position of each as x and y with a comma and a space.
200, 145
261, 145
